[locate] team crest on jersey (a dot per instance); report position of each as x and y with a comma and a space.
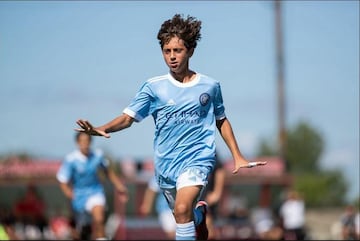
204, 99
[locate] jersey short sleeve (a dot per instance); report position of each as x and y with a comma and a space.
104, 163
139, 108
64, 173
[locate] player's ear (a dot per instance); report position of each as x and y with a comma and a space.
191, 52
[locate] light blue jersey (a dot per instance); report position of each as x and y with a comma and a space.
81, 172
185, 117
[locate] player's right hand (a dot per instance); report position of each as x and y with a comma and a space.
87, 127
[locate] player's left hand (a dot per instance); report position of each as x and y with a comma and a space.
249, 165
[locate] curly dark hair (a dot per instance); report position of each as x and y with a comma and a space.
187, 29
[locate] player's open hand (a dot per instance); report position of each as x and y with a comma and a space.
248, 165
85, 126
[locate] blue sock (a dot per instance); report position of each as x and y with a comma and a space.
198, 216
185, 231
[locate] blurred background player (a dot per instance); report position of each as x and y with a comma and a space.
164, 213
79, 181
213, 193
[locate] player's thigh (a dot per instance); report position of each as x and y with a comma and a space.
190, 186
96, 206
187, 197
195, 176
98, 213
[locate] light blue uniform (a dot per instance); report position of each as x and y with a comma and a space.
185, 117
161, 204
165, 214
81, 172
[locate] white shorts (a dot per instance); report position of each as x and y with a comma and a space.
191, 177
167, 221
95, 200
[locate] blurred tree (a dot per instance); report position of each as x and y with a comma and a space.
266, 149
322, 189
304, 148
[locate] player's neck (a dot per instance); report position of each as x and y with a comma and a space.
85, 152
186, 76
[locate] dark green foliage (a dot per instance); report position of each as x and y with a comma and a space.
321, 189
304, 147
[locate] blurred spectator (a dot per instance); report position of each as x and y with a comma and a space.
238, 225
265, 225
7, 228
213, 193
347, 221
30, 211
60, 226
357, 225
165, 214
238, 209
292, 214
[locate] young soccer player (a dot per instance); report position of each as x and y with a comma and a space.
78, 179
187, 107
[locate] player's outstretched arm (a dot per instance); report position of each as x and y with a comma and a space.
227, 134
121, 122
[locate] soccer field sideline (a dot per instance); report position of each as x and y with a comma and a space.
322, 224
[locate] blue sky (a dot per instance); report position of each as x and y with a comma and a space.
64, 60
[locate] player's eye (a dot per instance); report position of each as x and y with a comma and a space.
166, 51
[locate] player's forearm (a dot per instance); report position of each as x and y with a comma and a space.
68, 192
219, 182
121, 122
230, 140
117, 182
147, 202
149, 196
